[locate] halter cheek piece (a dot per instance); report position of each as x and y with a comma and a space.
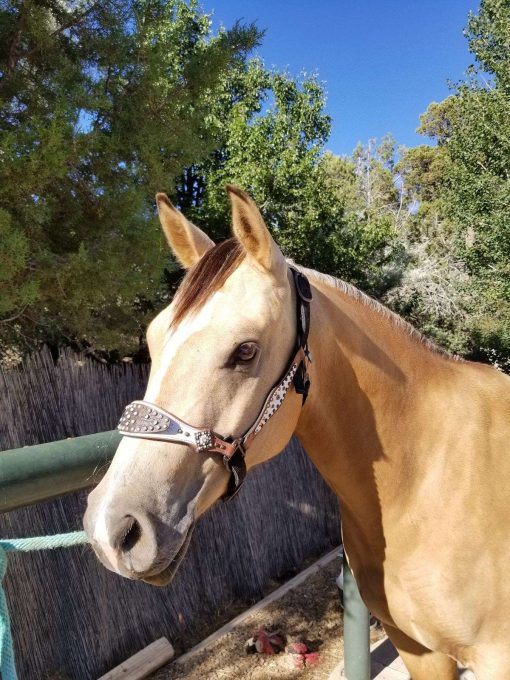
144, 420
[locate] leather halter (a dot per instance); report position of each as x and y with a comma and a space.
144, 420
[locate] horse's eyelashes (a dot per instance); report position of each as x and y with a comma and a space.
244, 353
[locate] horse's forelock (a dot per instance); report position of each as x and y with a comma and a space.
206, 277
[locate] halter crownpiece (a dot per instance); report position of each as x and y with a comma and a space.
144, 420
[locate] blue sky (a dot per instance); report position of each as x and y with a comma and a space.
383, 62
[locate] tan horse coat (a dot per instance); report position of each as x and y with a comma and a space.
417, 447
415, 443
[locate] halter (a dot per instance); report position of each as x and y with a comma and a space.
144, 420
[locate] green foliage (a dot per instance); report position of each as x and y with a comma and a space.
16, 291
273, 130
101, 104
473, 127
488, 33
365, 187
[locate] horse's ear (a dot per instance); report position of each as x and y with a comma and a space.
250, 229
187, 242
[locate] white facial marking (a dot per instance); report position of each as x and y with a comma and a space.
124, 456
128, 447
188, 327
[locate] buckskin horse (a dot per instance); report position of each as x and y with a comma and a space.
415, 443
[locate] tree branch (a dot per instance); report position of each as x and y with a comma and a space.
14, 317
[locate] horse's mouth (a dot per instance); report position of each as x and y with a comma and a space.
164, 577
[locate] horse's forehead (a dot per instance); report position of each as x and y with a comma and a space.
251, 292
246, 298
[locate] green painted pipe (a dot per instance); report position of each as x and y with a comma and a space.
356, 630
38, 473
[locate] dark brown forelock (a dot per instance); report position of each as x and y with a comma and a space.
206, 277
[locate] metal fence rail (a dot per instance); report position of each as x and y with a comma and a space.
44, 471
37, 473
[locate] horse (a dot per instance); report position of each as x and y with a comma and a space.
415, 442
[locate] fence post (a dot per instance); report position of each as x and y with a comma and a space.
356, 630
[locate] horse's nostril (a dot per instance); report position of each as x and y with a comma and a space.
132, 535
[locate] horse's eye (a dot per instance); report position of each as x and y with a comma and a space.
245, 352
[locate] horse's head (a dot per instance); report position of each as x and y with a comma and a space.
216, 351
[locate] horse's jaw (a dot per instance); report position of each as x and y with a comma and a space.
163, 578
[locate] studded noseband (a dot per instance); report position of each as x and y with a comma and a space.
144, 420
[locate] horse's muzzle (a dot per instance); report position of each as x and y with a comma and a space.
135, 544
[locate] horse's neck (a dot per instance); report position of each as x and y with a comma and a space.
357, 425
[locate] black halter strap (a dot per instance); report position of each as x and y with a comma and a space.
303, 299
236, 465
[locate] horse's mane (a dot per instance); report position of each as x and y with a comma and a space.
209, 274
353, 292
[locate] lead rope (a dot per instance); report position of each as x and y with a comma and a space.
7, 663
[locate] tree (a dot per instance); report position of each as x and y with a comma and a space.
431, 292
488, 33
474, 130
274, 129
371, 197
101, 104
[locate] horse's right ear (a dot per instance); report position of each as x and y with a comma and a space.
251, 231
188, 243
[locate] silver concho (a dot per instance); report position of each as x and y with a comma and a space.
203, 440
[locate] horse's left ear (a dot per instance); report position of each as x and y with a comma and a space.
187, 242
250, 229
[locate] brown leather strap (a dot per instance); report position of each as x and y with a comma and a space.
274, 399
223, 446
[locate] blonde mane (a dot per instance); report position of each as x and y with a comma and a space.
212, 270
396, 320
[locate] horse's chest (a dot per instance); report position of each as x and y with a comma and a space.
427, 601
423, 600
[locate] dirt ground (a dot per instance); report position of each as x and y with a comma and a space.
312, 610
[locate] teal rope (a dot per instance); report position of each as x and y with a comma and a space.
7, 664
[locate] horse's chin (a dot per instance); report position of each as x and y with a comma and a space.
163, 578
